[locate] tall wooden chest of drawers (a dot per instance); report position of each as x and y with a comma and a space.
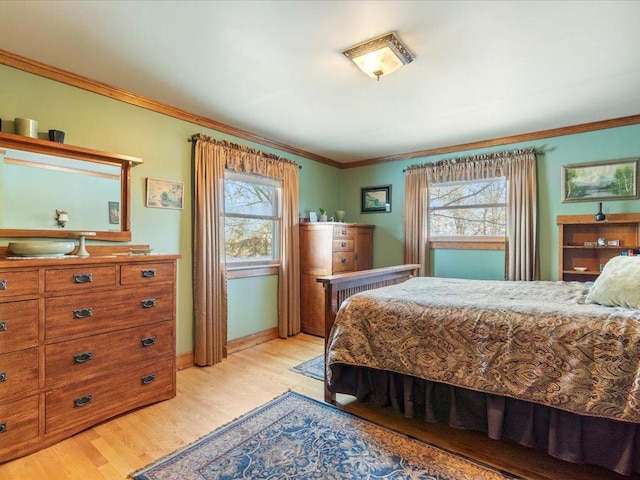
82, 340
327, 248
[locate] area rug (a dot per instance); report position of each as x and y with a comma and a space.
296, 437
313, 368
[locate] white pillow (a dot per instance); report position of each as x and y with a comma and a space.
618, 285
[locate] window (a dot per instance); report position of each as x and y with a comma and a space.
252, 218
467, 210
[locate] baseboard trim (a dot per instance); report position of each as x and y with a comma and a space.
184, 361
252, 340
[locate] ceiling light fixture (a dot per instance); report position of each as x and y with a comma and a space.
379, 56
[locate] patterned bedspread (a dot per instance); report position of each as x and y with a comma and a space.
534, 341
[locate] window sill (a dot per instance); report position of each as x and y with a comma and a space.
471, 243
247, 271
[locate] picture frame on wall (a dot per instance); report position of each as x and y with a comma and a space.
114, 213
375, 199
164, 194
598, 181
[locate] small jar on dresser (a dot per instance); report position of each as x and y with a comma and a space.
82, 340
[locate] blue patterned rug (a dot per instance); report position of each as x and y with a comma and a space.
313, 368
295, 437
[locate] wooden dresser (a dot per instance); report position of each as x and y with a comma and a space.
82, 340
327, 248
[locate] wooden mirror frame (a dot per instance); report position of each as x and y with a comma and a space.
19, 142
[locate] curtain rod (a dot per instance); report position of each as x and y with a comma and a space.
193, 138
536, 152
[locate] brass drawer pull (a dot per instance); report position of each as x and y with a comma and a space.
149, 273
3, 326
83, 278
343, 260
82, 401
344, 232
3, 284
147, 342
3, 427
147, 379
344, 244
150, 303
82, 357
83, 313
3, 376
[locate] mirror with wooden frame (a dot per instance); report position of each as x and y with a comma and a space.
39, 179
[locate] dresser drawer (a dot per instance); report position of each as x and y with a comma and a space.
342, 262
342, 245
84, 358
18, 424
145, 273
340, 233
18, 374
18, 283
97, 312
79, 278
18, 325
86, 403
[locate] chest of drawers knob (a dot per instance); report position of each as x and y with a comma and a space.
82, 401
83, 313
82, 278
147, 342
3, 377
3, 427
147, 379
149, 303
150, 273
3, 326
82, 357
3, 284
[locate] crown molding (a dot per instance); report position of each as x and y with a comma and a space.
524, 137
63, 76
69, 78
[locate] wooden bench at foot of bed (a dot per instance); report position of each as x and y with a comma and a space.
337, 288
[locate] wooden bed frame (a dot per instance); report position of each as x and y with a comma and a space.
337, 288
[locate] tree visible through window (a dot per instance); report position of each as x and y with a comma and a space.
468, 209
251, 208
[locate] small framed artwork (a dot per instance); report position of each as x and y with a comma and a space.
114, 213
164, 194
610, 180
375, 199
613, 243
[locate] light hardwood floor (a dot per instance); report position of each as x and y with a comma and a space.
210, 397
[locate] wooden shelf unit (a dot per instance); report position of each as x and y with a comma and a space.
576, 230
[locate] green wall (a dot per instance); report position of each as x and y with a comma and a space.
101, 123
98, 122
610, 144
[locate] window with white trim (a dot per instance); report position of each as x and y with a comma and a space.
251, 219
468, 209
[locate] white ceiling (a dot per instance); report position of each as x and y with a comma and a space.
483, 69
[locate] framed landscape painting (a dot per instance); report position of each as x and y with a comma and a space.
375, 199
610, 180
164, 193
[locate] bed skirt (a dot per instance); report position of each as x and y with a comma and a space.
579, 439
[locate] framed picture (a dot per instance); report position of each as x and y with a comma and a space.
375, 199
114, 212
611, 180
164, 193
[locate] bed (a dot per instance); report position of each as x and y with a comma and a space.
536, 362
